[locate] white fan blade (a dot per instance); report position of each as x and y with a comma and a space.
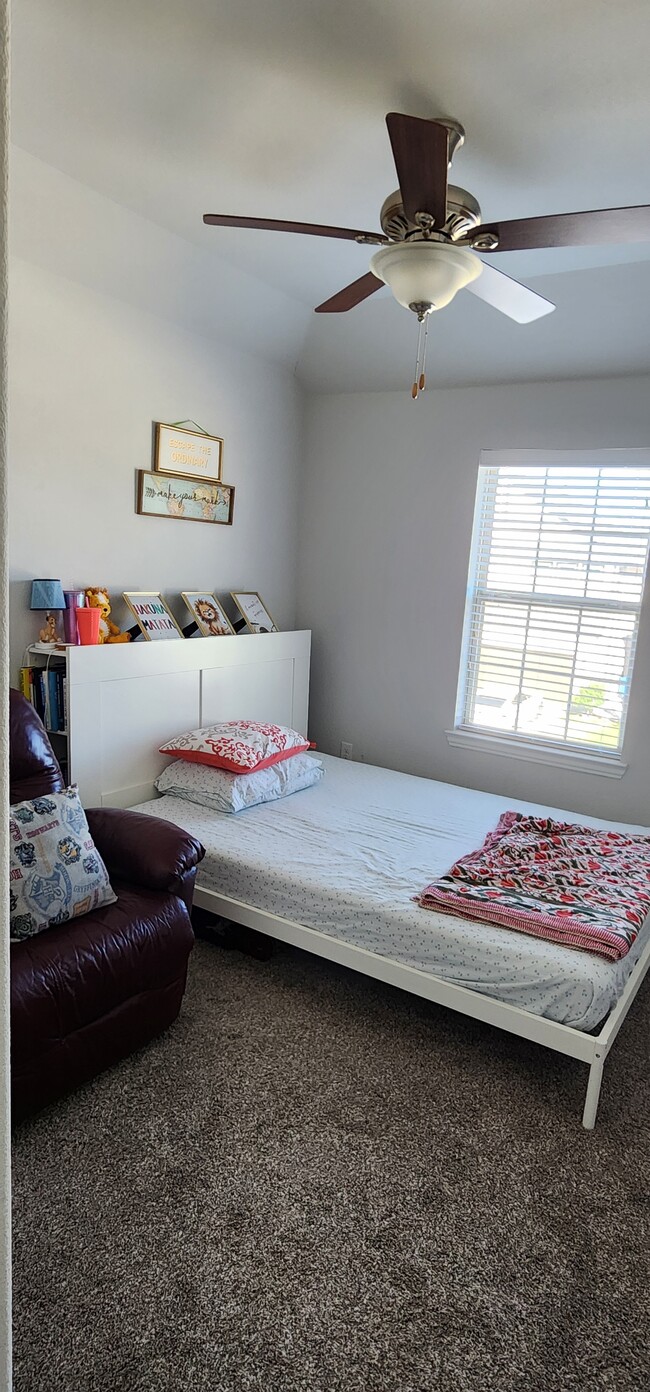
508, 295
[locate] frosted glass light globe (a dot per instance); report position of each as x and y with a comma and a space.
429, 273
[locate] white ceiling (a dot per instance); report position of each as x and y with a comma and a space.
276, 108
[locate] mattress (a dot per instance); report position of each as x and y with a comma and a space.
346, 857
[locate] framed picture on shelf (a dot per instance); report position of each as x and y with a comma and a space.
190, 499
254, 611
190, 452
151, 613
209, 616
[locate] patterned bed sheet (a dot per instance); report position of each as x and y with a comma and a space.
346, 858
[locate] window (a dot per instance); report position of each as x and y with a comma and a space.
559, 555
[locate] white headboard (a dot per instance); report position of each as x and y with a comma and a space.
124, 700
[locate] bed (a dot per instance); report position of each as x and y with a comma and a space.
341, 862
333, 869
344, 858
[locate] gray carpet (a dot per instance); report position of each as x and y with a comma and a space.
314, 1183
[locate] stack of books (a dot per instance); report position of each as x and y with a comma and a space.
46, 688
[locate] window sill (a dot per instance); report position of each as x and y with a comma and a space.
607, 765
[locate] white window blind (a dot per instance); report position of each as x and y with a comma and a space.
559, 556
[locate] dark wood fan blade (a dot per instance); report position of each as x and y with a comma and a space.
567, 229
421, 154
509, 296
352, 295
310, 229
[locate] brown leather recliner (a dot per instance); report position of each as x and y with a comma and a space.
86, 993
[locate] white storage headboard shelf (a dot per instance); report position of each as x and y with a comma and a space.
124, 700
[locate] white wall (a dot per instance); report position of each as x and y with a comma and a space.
68, 228
387, 504
88, 374
116, 322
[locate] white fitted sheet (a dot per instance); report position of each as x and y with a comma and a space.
346, 856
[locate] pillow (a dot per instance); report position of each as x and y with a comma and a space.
241, 746
232, 792
55, 871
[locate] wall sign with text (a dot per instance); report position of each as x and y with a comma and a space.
188, 452
191, 499
153, 616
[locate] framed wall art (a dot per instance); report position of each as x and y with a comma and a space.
254, 611
209, 616
190, 452
190, 499
153, 616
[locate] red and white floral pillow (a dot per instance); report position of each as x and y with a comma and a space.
241, 746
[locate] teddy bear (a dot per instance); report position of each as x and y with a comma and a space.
97, 598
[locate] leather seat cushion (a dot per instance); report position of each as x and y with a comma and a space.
69, 976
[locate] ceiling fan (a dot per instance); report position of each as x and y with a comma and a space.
432, 230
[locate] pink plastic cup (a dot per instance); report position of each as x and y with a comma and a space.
88, 624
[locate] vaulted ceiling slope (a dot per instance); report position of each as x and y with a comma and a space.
276, 108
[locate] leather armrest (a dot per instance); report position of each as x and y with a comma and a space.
144, 850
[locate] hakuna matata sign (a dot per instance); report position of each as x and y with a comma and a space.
153, 616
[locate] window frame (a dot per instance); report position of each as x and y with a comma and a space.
556, 753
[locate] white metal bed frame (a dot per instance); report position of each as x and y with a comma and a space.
589, 1048
124, 701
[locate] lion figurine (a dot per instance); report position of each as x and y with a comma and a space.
97, 598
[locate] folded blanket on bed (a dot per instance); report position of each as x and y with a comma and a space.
571, 884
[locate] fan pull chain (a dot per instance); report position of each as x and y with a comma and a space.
415, 388
420, 380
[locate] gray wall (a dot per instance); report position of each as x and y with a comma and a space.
88, 374
387, 504
115, 322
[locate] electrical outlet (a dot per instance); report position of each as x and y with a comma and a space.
346, 750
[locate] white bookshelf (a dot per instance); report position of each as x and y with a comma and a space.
125, 699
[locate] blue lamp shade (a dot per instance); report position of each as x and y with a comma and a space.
47, 594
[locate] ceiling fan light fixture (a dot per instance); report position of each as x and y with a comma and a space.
426, 272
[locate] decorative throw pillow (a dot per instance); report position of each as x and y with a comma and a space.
55, 870
241, 746
233, 792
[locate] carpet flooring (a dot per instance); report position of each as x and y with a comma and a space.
315, 1183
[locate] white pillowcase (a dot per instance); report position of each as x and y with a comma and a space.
234, 792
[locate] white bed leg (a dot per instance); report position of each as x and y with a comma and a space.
593, 1092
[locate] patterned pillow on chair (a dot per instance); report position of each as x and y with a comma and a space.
55, 871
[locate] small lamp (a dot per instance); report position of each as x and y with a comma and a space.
48, 595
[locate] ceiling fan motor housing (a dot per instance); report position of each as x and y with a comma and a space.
463, 215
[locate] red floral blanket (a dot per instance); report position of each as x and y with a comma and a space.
571, 884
